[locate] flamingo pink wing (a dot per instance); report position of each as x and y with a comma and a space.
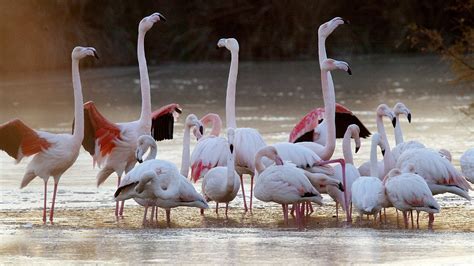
15, 135
163, 121
306, 125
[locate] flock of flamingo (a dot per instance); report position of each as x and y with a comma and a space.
292, 173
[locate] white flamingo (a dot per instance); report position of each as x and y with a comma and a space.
158, 182
211, 150
113, 145
438, 172
467, 164
351, 171
388, 162
368, 192
247, 140
408, 192
283, 183
221, 184
402, 145
53, 153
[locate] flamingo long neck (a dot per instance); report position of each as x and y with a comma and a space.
185, 157
153, 152
259, 166
231, 87
168, 193
388, 159
216, 124
230, 171
398, 131
145, 116
78, 133
330, 113
373, 159
346, 147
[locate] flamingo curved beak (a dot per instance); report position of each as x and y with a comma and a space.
96, 55
162, 18
383, 152
357, 149
409, 117
394, 122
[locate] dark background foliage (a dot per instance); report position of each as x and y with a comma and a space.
40, 34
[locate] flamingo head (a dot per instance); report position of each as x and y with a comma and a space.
445, 154
193, 121
331, 64
379, 141
126, 192
384, 110
143, 144
230, 43
198, 132
355, 131
147, 22
80, 52
327, 28
400, 108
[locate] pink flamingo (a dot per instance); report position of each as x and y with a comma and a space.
401, 144
408, 192
283, 183
113, 145
467, 164
53, 153
247, 140
211, 150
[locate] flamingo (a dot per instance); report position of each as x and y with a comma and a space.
467, 164
351, 171
309, 129
210, 151
438, 172
388, 161
158, 182
368, 192
221, 184
283, 183
247, 140
113, 145
53, 153
402, 145
408, 192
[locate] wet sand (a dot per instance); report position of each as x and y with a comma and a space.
271, 97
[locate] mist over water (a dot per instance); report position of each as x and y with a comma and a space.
272, 97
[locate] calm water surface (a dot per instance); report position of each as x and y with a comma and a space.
272, 97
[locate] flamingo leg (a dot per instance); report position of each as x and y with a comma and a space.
226, 209
412, 224
144, 214
337, 211
243, 193
343, 169
405, 219
292, 212
417, 219
251, 191
156, 214
45, 196
168, 217
311, 210
302, 211
384, 216
217, 207
121, 208
297, 215
54, 200
285, 213
152, 213
202, 212
431, 221
117, 204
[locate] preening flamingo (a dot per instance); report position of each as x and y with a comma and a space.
221, 184
309, 129
247, 140
438, 172
283, 183
216, 125
368, 192
408, 192
53, 153
211, 150
467, 164
351, 171
402, 145
158, 181
113, 145
388, 162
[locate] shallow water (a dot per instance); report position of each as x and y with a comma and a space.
272, 97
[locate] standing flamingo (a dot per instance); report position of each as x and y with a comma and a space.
247, 140
408, 192
283, 183
210, 151
402, 145
368, 192
222, 183
438, 172
351, 171
467, 164
53, 153
158, 182
113, 145
388, 161
340, 117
